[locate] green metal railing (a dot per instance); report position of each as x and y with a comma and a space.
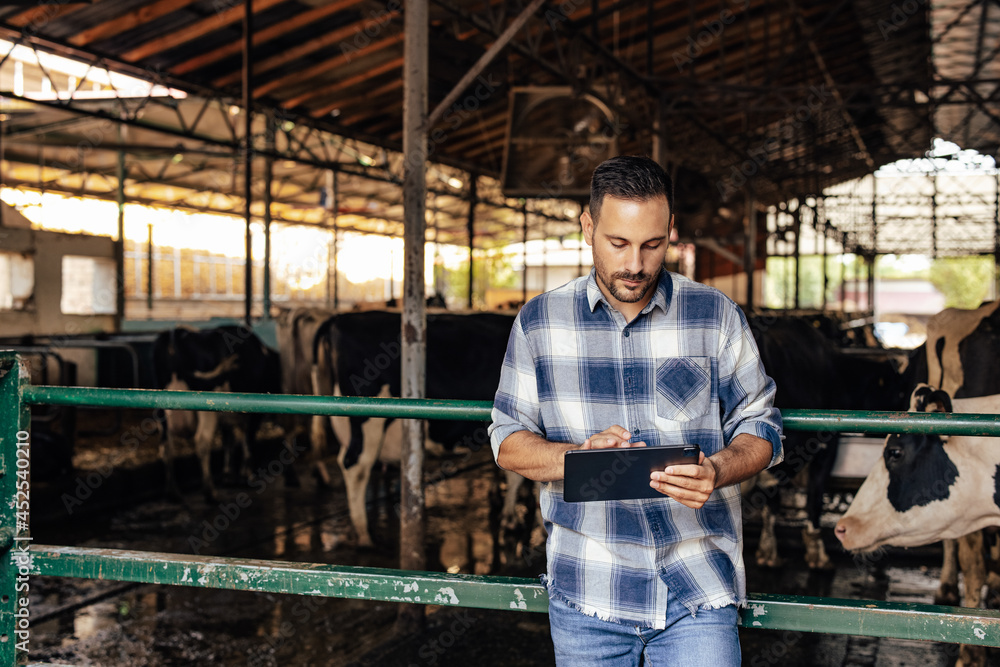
772, 612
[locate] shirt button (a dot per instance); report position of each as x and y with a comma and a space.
626, 333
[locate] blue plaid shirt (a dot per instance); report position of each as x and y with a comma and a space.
685, 370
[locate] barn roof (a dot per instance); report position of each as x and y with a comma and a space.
792, 96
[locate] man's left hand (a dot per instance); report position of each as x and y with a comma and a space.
688, 484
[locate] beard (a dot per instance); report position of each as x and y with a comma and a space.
621, 292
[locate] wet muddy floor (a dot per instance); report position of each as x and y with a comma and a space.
82, 622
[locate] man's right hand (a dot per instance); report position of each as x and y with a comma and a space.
613, 436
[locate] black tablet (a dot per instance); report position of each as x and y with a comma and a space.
619, 473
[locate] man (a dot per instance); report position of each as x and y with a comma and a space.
634, 355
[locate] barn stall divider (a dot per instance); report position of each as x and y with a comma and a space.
771, 612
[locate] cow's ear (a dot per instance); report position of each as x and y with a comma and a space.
918, 399
938, 401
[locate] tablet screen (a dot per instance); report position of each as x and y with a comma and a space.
619, 473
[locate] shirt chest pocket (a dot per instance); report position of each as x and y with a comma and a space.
684, 388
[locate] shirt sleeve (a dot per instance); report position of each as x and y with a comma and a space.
516, 406
746, 393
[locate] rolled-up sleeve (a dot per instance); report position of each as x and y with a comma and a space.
746, 393
516, 406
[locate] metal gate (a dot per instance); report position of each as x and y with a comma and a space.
771, 612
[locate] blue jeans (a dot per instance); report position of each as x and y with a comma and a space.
710, 639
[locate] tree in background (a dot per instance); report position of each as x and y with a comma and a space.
964, 281
779, 284
492, 268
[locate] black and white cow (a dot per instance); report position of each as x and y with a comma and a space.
928, 488
296, 330
961, 350
228, 358
362, 358
810, 372
961, 344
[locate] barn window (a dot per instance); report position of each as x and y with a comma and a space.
17, 280
88, 286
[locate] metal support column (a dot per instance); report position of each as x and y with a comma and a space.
659, 139
750, 243
787, 274
336, 241
269, 131
821, 215
857, 281
15, 563
331, 246
471, 226
524, 253
248, 153
870, 267
934, 215
149, 266
545, 259
870, 257
120, 242
996, 235
797, 251
843, 273
414, 320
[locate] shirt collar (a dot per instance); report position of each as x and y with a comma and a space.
661, 297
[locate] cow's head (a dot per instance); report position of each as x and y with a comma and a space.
900, 502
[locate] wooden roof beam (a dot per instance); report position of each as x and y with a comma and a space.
262, 36
209, 24
348, 121
289, 55
384, 68
37, 18
128, 21
488, 141
474, 135
319, 68
388, 124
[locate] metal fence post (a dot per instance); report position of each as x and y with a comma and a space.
14, 539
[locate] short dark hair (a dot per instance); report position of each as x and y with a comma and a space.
634, 177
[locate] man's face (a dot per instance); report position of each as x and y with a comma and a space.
629, 245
